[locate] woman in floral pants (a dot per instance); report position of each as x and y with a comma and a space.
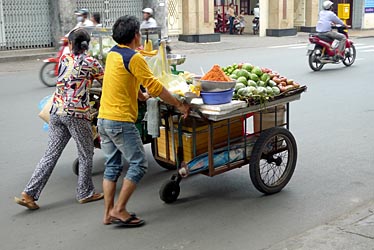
70, 117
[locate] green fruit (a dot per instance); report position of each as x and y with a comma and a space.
233, 76
261, 84
269, 91
261, 90
276, 90
271, 83
238, 86
242, 79
247, 66
252, 83
254, 77
244, 73
252, 89
265, 77
235, 72
257, 71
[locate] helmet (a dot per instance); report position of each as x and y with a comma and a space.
327, 5
82, 12
148, 10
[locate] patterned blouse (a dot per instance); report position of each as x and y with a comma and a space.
75, 76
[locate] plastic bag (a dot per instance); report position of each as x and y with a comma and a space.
42, 104
161, 69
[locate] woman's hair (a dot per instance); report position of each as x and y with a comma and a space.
125, 29
96, 17
80, 39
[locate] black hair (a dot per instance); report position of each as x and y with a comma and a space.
96, 16
80, 40
125, 29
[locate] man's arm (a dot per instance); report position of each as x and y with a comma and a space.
335, 19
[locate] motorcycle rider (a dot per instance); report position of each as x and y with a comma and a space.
148, 20
82, 18
326, 18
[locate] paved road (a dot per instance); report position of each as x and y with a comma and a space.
332, 124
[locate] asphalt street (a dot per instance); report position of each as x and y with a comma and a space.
332, 123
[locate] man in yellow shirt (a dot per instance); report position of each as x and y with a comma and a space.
124, 72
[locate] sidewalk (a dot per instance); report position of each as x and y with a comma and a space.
228, 42
354, 231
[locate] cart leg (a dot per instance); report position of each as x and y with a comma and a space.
170, 190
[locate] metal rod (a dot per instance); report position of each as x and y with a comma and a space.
288, 115
210, 149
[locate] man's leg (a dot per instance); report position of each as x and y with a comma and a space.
134, 153
109, 134
341, 38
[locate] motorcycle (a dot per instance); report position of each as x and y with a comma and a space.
256, 25
323, 50
49, 71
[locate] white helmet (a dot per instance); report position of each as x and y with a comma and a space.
327, 5
148, 10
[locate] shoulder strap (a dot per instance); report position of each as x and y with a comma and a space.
126, 54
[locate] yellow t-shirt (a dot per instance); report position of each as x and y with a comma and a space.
125, 70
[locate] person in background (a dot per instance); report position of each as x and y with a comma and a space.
231, 13
148, 20
82, 19
96, 19
242, 22
256, 11
118, 114
69, 117
326, 18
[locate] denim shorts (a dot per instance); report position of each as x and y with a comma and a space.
122, 139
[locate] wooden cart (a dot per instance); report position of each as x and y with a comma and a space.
214, 144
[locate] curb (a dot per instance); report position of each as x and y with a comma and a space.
18, 58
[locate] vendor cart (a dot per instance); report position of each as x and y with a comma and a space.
212, 143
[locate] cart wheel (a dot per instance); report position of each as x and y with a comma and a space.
75, 167
169, 191
165, 165
273, 160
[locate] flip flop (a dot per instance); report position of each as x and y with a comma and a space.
130, 222
118, 221
29, 204
94, 197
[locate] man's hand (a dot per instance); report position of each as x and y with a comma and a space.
184, 109
143, 96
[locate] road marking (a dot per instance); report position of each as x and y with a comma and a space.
299, 47
365, 47
283, 46
368, 50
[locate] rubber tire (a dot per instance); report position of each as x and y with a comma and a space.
169, 191
354, 57
42, 74
75, 167
254, 168
162, 164
310, 60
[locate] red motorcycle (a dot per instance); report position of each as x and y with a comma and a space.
49, 71
323, 50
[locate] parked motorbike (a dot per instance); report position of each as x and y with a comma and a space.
49, 71
323, 50
256, 25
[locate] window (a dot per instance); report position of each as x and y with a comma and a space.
244, 5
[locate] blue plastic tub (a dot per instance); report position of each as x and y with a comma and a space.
221, 97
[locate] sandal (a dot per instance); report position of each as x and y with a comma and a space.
94, 197
30, 204
129, 222
114, 220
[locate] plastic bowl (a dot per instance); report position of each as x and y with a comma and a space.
214, 86
214, 98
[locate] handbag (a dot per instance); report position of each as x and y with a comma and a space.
44, 113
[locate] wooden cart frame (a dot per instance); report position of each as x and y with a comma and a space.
278, 136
